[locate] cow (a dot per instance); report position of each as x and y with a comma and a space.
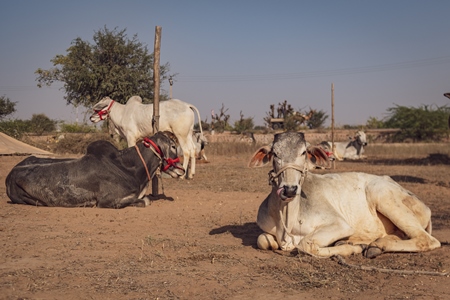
348, 150
200, 142
104, 177
326, 147
335, 214
133, 121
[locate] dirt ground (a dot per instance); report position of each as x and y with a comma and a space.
199, 242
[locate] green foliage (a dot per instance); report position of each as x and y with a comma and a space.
77, 128
260, 128
205, 126
347, 126
317, 119
113, 66
244, 124
221, 126
290, 124
40, 123
6, 107
418, 124
374, 123
15, 128
77, 143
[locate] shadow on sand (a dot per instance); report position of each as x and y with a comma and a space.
247, 232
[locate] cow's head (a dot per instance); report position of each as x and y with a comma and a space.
326, 146
101, 110
291, 160
360, 137
165, 146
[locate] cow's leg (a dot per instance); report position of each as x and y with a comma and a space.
410, 218
321, 243
124, 202
266, 240
189, 156
193, 159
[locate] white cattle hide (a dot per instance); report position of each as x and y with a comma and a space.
352, 149
335, 214
133, 121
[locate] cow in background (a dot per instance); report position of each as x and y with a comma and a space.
348, 150
133, 121
103, 177
200, 142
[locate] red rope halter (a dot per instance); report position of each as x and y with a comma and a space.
169, 162
102, 112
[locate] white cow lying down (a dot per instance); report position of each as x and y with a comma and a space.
133, 121
352, 149
335, 214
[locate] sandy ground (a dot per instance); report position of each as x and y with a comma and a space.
198, 241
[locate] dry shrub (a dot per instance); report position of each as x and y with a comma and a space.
231, 148
405, 150
76, 143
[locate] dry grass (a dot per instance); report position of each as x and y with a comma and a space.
405, 150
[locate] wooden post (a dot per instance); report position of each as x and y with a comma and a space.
156, 83
333, 146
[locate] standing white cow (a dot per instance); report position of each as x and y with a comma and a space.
349, 150
133, 121
335, 214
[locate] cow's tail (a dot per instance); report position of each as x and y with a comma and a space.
199, 120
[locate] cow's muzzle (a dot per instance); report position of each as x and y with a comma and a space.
287, 192
173, 167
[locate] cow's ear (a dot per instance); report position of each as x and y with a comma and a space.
261, 157
318, 158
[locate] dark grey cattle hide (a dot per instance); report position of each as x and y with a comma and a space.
103, 177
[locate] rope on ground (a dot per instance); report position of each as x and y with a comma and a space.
342, 261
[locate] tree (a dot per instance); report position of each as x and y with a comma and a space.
317, 119
40, 123
220, 122
243, 124
7, 107
113, 66
374, 123
419, 124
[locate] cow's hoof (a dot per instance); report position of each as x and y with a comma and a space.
372, 252
363, 247
266, 241
340, 242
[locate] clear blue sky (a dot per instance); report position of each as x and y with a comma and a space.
246, 54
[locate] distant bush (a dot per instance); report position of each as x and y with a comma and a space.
244, 124
77, 143
77, 128
40, 123
424, 123
15, 128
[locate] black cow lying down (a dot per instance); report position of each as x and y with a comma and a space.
103, 177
